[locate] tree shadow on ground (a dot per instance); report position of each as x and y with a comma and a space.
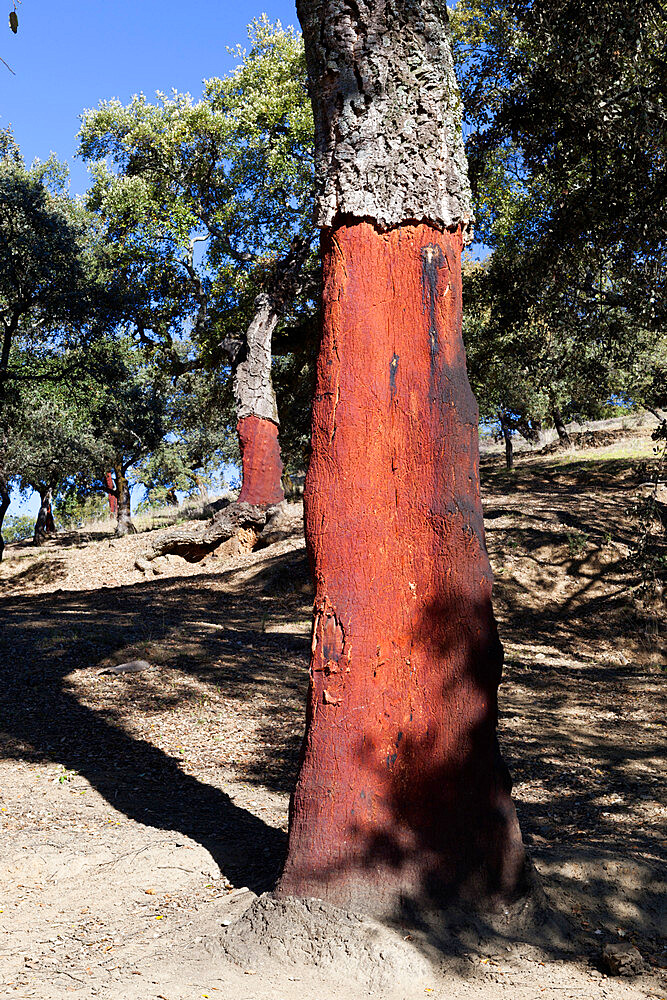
45, 638
217, 631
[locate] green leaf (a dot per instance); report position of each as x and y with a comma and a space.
13, 21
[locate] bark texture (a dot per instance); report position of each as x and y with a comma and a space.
387, 112
262, 464
402, 796
195, 543
253, 388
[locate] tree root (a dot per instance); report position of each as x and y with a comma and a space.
194, 544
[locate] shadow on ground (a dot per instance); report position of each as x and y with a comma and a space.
216, 630
47, 637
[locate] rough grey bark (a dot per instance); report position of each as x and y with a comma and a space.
388, 113
195, 543
253, 388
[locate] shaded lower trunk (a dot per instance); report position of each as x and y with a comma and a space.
402, 797
111, 492
5, 500
124, 525
257, 412
564, 437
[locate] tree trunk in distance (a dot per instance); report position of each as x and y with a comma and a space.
124, 524
402, 794
5, 500
563, 436
111, 492
257, 412
529, 432
402, 799
509, 446
44, 525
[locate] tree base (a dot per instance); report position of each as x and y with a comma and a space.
407, 953
262, 465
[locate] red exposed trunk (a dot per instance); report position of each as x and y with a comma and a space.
262, 466
402, 794
113, 502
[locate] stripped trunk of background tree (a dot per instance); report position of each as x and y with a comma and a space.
402, 796
257, 412
110, 488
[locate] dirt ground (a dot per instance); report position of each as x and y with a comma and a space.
141, 813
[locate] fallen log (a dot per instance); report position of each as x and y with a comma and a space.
193, 544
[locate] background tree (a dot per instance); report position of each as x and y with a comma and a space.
201, 438
52, 272
209, 214
129, 418
567, 143
53, 304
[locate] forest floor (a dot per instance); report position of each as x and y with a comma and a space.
141, 813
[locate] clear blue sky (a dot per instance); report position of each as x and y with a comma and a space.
70, 54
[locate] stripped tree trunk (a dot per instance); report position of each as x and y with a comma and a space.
253, 387
257, 412
111, 492
402, 795
124, 524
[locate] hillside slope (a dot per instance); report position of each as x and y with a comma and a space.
135, 806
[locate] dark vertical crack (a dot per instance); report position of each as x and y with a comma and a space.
432, 260
393, 366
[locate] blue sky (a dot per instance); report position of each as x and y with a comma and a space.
70, 54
